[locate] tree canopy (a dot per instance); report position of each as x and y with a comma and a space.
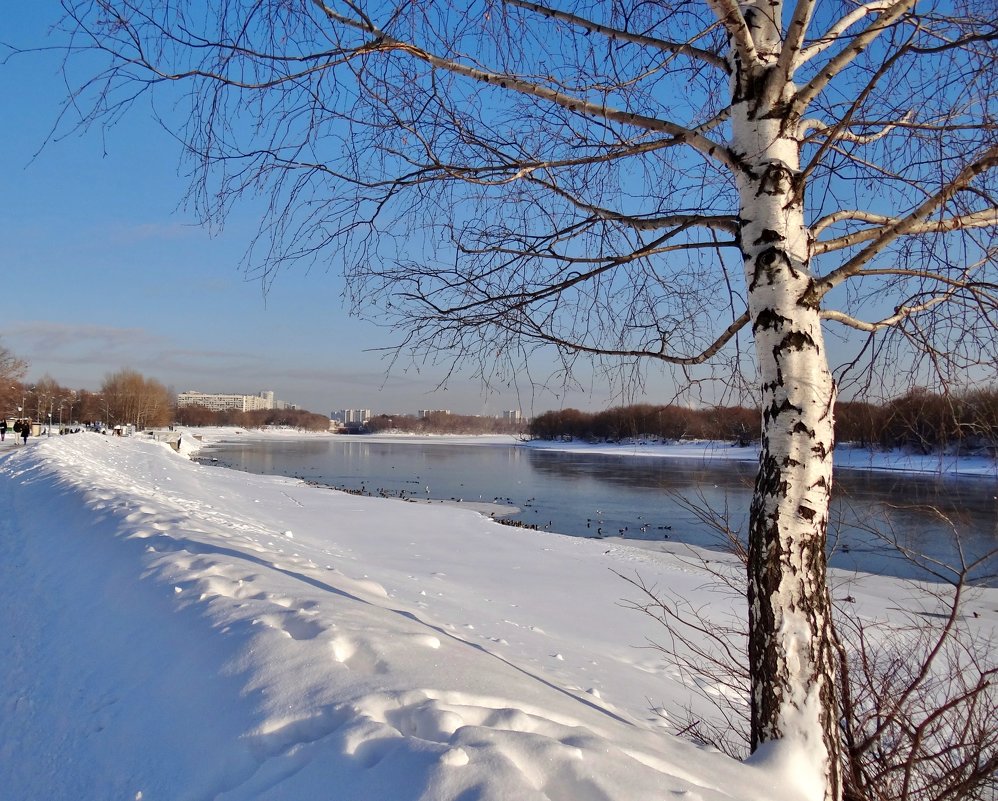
500, 175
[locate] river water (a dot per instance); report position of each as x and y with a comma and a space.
646, 498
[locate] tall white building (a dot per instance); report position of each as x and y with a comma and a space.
221, 402
424, 413
352, 416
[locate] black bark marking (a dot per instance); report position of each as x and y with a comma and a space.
821, 483
767, 266
806, 512
795, 340
776, 179
768, 236
810, 298
775, 409
768, 319
801, 428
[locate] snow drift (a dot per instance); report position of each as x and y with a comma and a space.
176, 631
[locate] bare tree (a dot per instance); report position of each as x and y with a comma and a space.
665, 183
12, 370
921, 701
132, 399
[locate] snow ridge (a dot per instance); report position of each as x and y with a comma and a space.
186, 632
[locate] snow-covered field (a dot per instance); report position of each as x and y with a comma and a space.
175, 631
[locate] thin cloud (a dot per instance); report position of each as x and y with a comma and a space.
52, 338
132, 233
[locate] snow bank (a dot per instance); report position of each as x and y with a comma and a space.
847, 457
176, 631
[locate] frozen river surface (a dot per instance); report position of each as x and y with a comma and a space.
599, 495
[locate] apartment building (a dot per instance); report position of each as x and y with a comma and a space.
222, 402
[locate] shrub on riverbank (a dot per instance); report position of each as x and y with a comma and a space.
735, 423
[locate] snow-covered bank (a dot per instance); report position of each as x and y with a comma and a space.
847, 457
208, 435
176, 631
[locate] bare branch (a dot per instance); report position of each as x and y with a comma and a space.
886, 17
730, 16
841, 134
834, 34
617, 34
985, 218
661, 354
790, 54
888, 322
906, 225
726, 223
382, 43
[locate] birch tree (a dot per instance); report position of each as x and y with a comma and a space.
684, 182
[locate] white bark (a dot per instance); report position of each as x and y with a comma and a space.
791, 644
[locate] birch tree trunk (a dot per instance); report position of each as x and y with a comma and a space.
794, 707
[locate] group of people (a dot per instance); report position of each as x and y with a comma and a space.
21, 427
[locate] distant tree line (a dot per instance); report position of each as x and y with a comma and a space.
125, 398
258, 418
919, 420
923, 421
12, 370
444, 423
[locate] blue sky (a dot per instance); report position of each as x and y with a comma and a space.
103, 269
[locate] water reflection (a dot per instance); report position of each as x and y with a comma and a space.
595, 495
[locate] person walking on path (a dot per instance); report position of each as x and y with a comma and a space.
3, 429
25, 430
